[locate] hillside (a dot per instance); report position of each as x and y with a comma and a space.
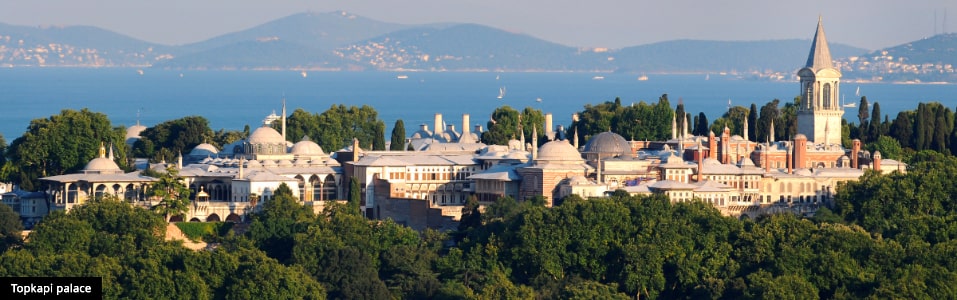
344, 41
927, 60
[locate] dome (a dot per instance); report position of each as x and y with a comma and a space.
800, 136
134, 131
266, 135
102, 165
285, 163
269, 163
519, 155
204, 149
608, 144
578, 180
253, 164
559, 151
306, 147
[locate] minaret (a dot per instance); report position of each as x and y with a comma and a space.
576, 137
684, 130
700, 163
179, 161
110, 156
820, 105
284, 120
534, 143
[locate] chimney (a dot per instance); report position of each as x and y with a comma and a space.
548, 126
674, 126
284, 121
242, 160
478, 128
767, 158
438, 125
712, 145
800, 148
700, 162
877, 160
855, 152
726, 145
788, 158
534, 143
465, 124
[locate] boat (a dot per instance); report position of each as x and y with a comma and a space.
304, 74
643, 78
599, 77
140, 71
707, 76
402, 77
501, 92
850, 105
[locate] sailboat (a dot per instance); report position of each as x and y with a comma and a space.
501, 92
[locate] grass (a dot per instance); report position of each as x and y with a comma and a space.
206, 231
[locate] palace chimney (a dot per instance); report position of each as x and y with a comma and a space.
855, 153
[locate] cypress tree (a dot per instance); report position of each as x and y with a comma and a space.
752, 122
398, 136
378, 138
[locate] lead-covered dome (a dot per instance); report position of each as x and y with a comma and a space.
266, 135
204, 149
306, 147
559, 151
608, 144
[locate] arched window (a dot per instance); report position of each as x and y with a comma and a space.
808, 94
826, 94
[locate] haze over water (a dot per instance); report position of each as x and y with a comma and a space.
232, 99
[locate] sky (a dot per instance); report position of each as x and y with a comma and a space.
579, 23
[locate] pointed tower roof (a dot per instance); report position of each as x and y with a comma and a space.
820, 56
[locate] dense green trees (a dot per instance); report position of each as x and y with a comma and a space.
641, 121
10, 228
335, 128
165, 141
62, 144
506, 123
172, 192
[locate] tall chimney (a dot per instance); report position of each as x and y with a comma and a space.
438, 125
877, 160
548, 126
788, 158
465, 124
700, 162
284, 122
712, 145
855, 152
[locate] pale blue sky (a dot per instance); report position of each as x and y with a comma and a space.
580, 23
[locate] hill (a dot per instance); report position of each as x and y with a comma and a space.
927, 60
75, 46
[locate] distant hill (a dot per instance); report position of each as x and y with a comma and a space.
343, 41
75, 46
927, 60
324, 31
461, 47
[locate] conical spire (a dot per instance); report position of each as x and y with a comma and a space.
820, 56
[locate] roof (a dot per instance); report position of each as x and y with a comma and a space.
820, 56
559, 151
266, 135
608, 144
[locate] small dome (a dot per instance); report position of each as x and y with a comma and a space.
800, 136
253, 164
204, 149
285, 163
306, 147
608, 144
578, 180
266, 135
559, 151
519, 155
102, 165
269, 163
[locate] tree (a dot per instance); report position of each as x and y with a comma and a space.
274, 228
875, 128
355, 194
62, 144
769, 113
752, 123
166, 140
10, 228
398, 136
337, 126
378, 140
863, 114
889, 147
733, 119
701, 129
172, 192
680, 116
502, 127
902, 129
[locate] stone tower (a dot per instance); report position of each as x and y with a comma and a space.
820, 107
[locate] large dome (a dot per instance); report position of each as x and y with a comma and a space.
608, 144
266, 135
559, 151
306, 147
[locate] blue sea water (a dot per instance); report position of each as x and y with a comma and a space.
232, 99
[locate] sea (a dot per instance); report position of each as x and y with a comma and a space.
232, 99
